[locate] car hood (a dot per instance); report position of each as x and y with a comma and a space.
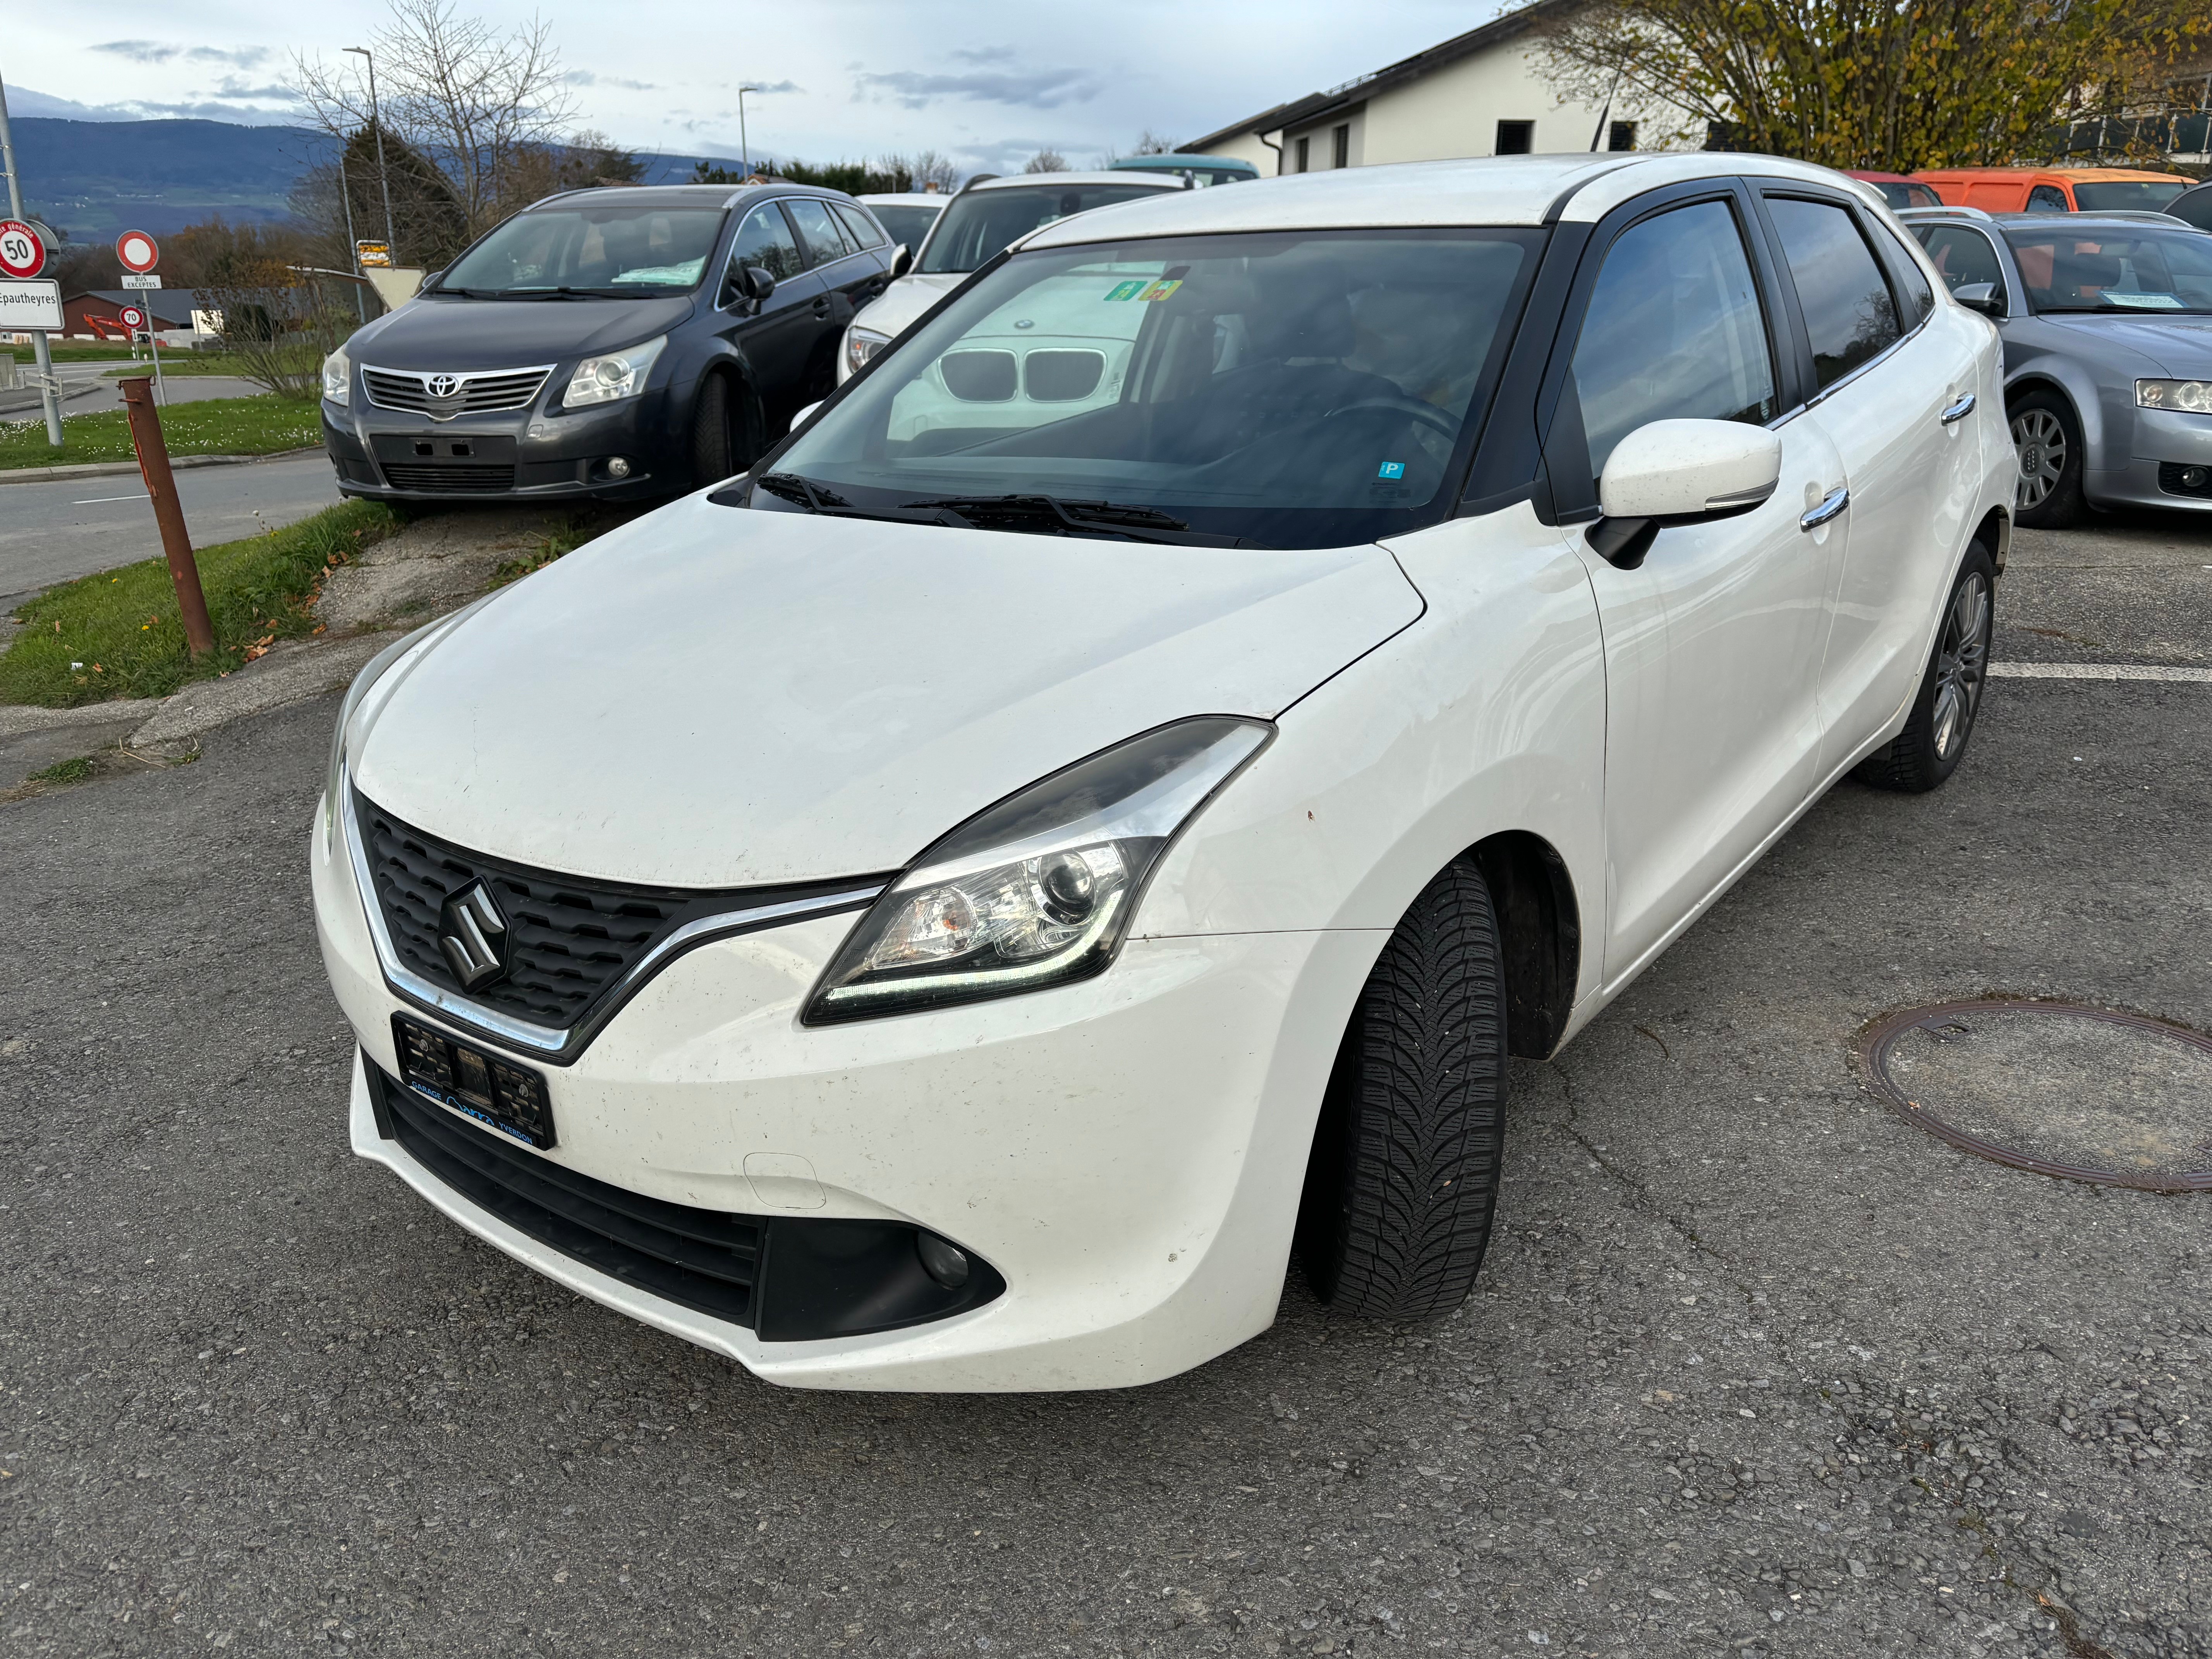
2180, 345
716, 697
894, 310
465, 334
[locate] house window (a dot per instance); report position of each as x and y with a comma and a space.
1516, 137
1622, 136
1340, 144
1304, 152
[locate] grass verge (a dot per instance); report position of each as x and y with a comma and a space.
118, 633
179, 363
220, 426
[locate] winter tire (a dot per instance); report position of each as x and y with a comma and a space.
2048, 437
1403, 1178
1933, 740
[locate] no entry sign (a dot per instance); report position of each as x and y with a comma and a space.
21, 252
138, 251
131, 317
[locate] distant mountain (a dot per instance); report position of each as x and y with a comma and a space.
98, 179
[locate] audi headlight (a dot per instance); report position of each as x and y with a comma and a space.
338, 377
860, 345
618, 375
1039, 889
2190, 396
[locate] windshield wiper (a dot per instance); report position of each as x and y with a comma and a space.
790, 487
1051, 516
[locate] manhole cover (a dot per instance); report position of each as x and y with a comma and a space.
2055, 1087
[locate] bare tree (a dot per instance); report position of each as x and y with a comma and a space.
1046, 161
932, 166
470, 101
1149, 143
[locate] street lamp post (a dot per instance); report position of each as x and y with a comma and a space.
376, 120
745, 146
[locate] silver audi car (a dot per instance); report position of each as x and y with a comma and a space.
2107, 328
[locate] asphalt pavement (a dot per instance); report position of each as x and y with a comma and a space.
57, 529
1755, 1366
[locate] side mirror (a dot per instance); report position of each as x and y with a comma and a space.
1670, 472
902, 261
752, 284
804, 416
1980, 296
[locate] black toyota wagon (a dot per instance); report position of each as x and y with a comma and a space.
632, 341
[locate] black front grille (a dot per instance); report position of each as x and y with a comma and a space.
706, 1259
472, 394
2174, 478
449, 480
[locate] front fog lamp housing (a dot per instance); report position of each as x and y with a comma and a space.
1038, 891
618, 375
861, 344
2190, 396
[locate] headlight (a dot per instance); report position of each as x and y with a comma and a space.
618, 375
338, 377
2190, 397
1038, 891
861, 344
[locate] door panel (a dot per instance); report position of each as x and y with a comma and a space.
1712, 733
777, 340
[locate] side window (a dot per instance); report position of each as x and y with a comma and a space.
2048, 199
765, 239
858, 227
1849, 313
1912, 281
817, 229
1673, 330
1962, 257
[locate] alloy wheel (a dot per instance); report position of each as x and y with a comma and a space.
2041, 441
1962, 664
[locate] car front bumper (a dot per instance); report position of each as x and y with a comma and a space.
1127, 1152
520, 455
2166, 445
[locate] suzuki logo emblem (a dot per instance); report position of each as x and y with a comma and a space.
444, 386
473, 935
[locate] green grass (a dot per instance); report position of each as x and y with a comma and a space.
178, 362
68, 771
122, 625
219, 426
88, 353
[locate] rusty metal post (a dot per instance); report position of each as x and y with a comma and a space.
168, 513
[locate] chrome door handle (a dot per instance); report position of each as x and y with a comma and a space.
1832, 506
1959, 410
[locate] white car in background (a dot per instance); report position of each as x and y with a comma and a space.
906, 215
992, 882
976, 225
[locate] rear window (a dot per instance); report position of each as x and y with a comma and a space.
2147, 195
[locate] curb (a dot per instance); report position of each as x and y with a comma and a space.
105, 469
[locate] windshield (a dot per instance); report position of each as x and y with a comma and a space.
905, 224
980, 223
610, 250
2145, 270
2149, 194
1292, 389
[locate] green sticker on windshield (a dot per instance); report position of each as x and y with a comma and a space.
1127, 290
1161, 290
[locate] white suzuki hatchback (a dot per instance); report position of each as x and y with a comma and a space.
958, 907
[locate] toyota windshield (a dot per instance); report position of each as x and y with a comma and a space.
1290, 389
621, 252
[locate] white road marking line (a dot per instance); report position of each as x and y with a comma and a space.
97, 500
2097, 670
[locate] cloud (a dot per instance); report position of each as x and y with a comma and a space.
232, 86
161, 52
244, 56
140, 51
985, 54
585, 78
779, 86
1028, 89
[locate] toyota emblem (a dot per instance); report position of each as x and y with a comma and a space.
444, 386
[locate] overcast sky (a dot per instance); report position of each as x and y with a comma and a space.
988, 82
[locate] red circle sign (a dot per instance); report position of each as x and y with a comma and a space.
21, 252
137, 250
131, 317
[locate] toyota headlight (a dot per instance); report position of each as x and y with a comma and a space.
338, 377
1039, 889
860, 345
2190, 396
616, 375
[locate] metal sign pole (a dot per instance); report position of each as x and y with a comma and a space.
154, 344
47, 381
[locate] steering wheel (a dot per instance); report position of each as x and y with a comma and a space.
1428, 414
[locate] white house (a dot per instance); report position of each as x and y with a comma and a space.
1483, 93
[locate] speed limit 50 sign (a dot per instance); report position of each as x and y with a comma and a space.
21, 252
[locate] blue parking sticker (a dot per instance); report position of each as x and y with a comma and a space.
1391, 470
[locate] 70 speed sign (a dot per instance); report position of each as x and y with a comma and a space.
22, 253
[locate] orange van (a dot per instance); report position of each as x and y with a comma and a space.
2054, 190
